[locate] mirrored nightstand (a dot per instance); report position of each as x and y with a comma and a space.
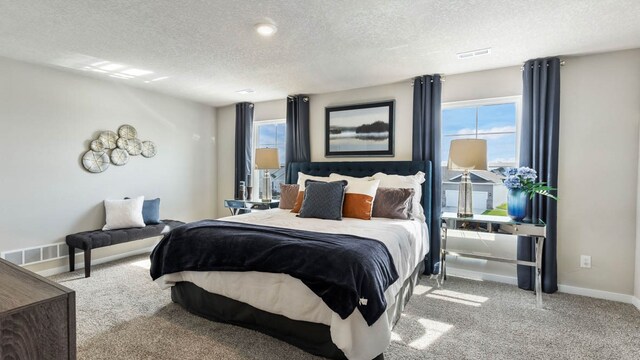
497, 224
235, 206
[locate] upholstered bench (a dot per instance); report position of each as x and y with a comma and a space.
94, 239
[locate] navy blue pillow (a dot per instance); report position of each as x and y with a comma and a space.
323, 200
151, 211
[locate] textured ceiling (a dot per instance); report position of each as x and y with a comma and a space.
209, 49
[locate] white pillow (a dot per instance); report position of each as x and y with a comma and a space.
122, 214
302, 178
402, 182
337, 177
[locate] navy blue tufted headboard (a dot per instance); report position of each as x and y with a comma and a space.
367, 168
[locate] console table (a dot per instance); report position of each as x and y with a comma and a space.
37, 316
496, 224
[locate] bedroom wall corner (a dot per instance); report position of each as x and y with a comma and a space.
225, 145
48, 118
598, 170
637, 273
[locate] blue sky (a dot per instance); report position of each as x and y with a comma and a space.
272, 135
496, 123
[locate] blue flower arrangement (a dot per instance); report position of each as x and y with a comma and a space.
523, 178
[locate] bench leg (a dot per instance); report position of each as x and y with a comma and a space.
87, 263
72, 258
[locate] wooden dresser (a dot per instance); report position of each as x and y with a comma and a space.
37, 316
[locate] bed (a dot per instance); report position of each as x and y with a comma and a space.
283, 306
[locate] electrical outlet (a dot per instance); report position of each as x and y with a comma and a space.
585, 261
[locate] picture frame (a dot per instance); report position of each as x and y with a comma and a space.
360, 130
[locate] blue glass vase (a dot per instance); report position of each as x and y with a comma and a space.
517, 204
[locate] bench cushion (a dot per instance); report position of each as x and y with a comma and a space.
97, 238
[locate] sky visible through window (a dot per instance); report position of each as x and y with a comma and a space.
271, 135
495, 123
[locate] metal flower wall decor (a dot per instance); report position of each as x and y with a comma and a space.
116, 148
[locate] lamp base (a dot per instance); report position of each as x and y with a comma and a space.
266, 187
465, 196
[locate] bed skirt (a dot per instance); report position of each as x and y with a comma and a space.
311, 337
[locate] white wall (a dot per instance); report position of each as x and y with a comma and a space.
48, 117
637, 275
225, 126
598, 174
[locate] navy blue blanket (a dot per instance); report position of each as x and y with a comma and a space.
346, 271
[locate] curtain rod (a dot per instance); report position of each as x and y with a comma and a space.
562, 62
442, 79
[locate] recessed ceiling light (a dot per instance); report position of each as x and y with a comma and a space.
474, 53
136, 72
111, 67
245, 91
266, 29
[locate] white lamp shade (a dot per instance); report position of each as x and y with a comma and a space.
468, 154
267, 158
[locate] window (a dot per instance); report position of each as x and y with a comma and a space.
497, 121
269, 134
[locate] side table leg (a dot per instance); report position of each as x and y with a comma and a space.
539, 246
443, 252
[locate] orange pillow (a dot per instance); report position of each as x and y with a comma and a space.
358, 199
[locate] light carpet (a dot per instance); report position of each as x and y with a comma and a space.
122, 314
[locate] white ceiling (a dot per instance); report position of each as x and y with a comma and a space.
209, 49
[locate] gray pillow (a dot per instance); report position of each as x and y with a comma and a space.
288, 195
393, 203
323, 200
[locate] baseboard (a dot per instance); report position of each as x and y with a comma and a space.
598, 294
80, 263
574, 290
635, 301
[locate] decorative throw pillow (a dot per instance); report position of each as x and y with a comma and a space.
401, 182
302, 178
358, 198
288, 195
150, 211
122, 214
323, 200
393, 203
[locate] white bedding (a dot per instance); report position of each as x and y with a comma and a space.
407, 241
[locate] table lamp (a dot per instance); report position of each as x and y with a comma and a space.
267, 159
466, 155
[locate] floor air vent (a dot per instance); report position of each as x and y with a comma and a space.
36, 254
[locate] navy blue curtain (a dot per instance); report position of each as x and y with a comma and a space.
539, 151
298, 147
244, 137
427, 91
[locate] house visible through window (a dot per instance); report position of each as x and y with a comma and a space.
269, 134
497, 121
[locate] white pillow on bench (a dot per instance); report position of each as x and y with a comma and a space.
121, 214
